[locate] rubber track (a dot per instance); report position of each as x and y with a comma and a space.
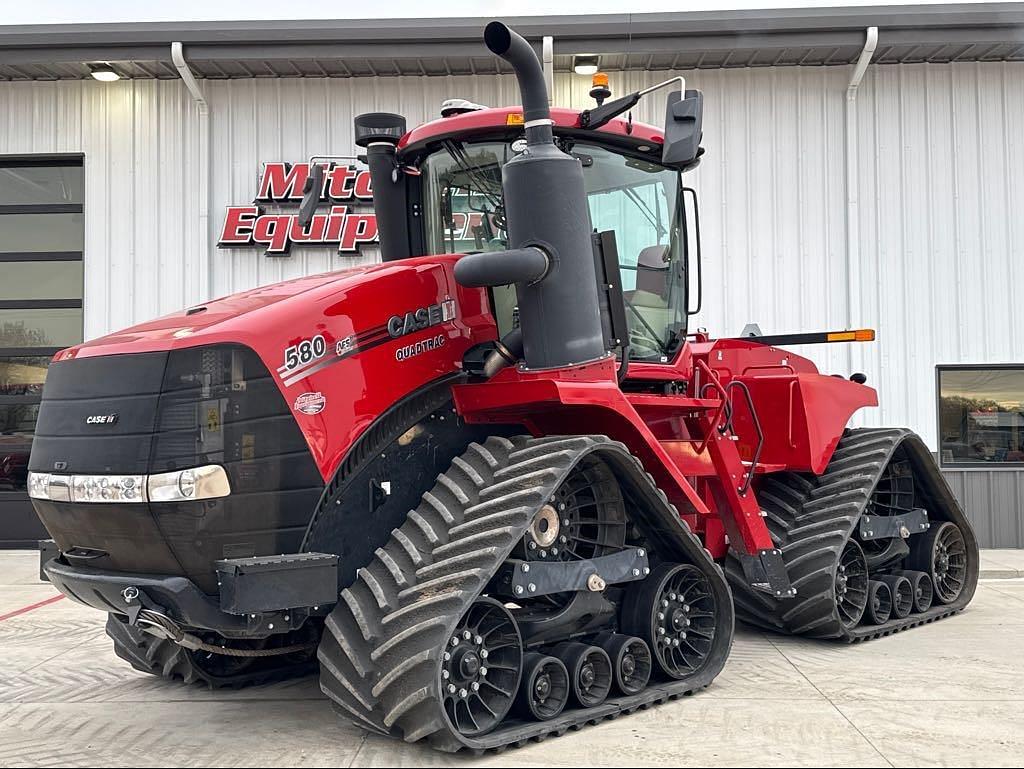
379, 651
166, 659
811, 518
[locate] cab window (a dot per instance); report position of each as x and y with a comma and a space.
638, 200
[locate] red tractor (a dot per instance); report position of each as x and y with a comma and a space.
493, 485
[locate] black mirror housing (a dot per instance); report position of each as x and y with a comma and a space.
311, 194
682, 128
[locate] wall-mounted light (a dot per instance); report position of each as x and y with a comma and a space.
585, 64
103, 72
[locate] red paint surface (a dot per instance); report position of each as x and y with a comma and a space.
337, 305
486, 121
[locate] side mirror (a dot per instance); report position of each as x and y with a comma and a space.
682, 128
311, 194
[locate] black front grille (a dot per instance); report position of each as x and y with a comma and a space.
80, 390
186, 408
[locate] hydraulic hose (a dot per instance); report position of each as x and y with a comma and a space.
511, 47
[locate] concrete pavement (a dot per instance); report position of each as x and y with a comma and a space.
946, 694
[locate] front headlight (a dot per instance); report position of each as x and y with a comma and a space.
107, 488
39, 485
207, 482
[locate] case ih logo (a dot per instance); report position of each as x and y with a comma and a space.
345, 188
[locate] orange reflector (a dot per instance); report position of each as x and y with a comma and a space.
860, 335
514, 118
600, 79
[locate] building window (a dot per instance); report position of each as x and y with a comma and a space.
41, 238
981, 415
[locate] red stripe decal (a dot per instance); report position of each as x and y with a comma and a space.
31, 607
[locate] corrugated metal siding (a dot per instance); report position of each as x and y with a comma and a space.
139, 139
994, 501
941, 193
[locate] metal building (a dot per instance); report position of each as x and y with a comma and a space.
832, 196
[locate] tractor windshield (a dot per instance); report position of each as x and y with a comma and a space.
639, 200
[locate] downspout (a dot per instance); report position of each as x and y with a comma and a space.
548, 59
853, 272
203, 193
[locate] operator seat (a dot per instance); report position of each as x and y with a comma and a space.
650, 297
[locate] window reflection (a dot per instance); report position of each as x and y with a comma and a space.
981, 415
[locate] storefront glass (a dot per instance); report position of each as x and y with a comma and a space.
41, 243
981, 415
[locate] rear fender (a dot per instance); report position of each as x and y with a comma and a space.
802, 417
580, 400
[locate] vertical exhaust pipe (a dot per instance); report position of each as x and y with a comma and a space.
533, 89
546, 209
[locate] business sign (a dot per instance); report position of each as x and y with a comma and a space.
271, 221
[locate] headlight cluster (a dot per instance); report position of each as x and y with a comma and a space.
207, 482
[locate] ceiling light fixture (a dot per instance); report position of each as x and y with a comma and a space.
104, 73
585, 64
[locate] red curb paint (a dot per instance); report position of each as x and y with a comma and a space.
31, 607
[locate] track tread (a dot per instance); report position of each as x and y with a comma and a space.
446, 561
166, 659
811, 519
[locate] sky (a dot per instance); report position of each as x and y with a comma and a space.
77, 11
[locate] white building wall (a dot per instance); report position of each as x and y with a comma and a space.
940, 220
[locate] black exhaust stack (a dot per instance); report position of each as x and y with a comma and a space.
548, 227
378, 133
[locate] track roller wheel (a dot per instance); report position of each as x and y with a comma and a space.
924, 593
902, 594
481, 667
851, 584
631, 661
673, 611
942, 554
879, 607
544, 689
590, 672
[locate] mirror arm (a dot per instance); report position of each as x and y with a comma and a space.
592, 119
696, 235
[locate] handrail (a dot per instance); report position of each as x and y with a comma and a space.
723, 395
729, 411
757, 429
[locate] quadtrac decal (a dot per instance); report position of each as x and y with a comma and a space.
418, 320
309, 356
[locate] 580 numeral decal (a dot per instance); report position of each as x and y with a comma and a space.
305, 351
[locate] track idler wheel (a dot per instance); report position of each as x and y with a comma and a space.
631, 661
924, 593
942, 554
851, 584
544, 690
879, 607
902, 594
674, 612
481, 667
590, 672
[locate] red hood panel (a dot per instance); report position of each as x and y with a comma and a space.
223, 317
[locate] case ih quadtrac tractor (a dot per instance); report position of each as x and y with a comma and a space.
492, 485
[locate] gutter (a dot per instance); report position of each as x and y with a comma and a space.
203, 193
548, 58
854, 311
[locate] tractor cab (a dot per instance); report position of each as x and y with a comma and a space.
438, 190
629, 192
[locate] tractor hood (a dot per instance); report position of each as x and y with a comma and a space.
274, 385
224, 317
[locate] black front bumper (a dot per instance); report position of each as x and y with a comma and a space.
180, 599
